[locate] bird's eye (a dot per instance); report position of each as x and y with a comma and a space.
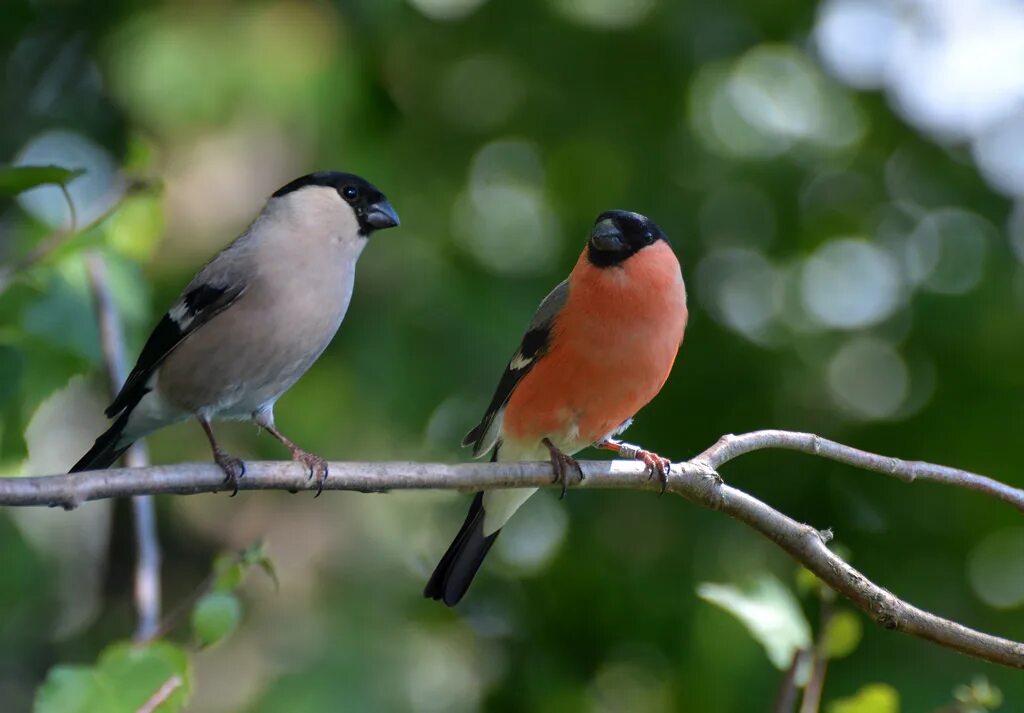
350, 192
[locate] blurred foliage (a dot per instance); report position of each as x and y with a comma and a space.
17, 179
978, 696
873, 698
128, 676
770, 613
122, 681
854, 266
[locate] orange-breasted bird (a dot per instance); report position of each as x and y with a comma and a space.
599, 348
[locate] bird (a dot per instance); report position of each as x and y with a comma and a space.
251, 321
598, 349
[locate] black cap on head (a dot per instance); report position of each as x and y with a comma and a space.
618, 234
372, 209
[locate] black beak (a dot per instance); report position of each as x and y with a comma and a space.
381, 215
606, 236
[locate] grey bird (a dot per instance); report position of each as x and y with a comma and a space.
252, 321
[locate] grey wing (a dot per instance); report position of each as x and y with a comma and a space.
534, 345
215, 288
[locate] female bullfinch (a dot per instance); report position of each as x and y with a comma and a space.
252, 321
599, 348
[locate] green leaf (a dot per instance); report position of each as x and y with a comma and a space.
257, 555
18, 179
229, 569
68, 689
215, 616
135, 228
844, 634
873, 698
980, 695
267, 565
769, 611
124, 679
227, 573
131, 675
63, 314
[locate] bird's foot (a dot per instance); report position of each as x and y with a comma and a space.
317, 467
563, 465
656, 465
234, 469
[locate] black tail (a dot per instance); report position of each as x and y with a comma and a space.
455, 571
105, 451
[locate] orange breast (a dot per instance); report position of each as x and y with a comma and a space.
612, 349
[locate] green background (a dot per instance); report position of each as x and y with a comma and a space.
850, 274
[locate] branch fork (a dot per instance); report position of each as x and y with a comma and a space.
697, 480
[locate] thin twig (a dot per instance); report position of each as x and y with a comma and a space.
52, 242
181, 610
693, 480
165, 691
732, 446
72, 213
147, 565
785, 699
819, 660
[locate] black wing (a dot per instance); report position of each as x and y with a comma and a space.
196, 307
535, 344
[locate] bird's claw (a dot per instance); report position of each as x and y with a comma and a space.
317, 466
562, 464
234, 469
656, 465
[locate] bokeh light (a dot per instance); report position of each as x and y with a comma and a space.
853, 38
850, 283
503, 217
267, 56
998, 152
742, 289
480, 92
533, 540
950, 67
770, 100
946, 251
605, 14
868, 378
446, 10
91, 193
996, 568
1015, 229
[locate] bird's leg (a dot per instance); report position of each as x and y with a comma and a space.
654, 462
317, 466
562, 464
233, 467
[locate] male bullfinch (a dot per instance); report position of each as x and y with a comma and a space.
598, 349
252, 321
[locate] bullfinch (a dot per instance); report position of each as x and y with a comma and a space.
598, 349
252, 321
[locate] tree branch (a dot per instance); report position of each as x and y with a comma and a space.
147, 545
732, 446
162, 694
695, 480
819, 659
785, 699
